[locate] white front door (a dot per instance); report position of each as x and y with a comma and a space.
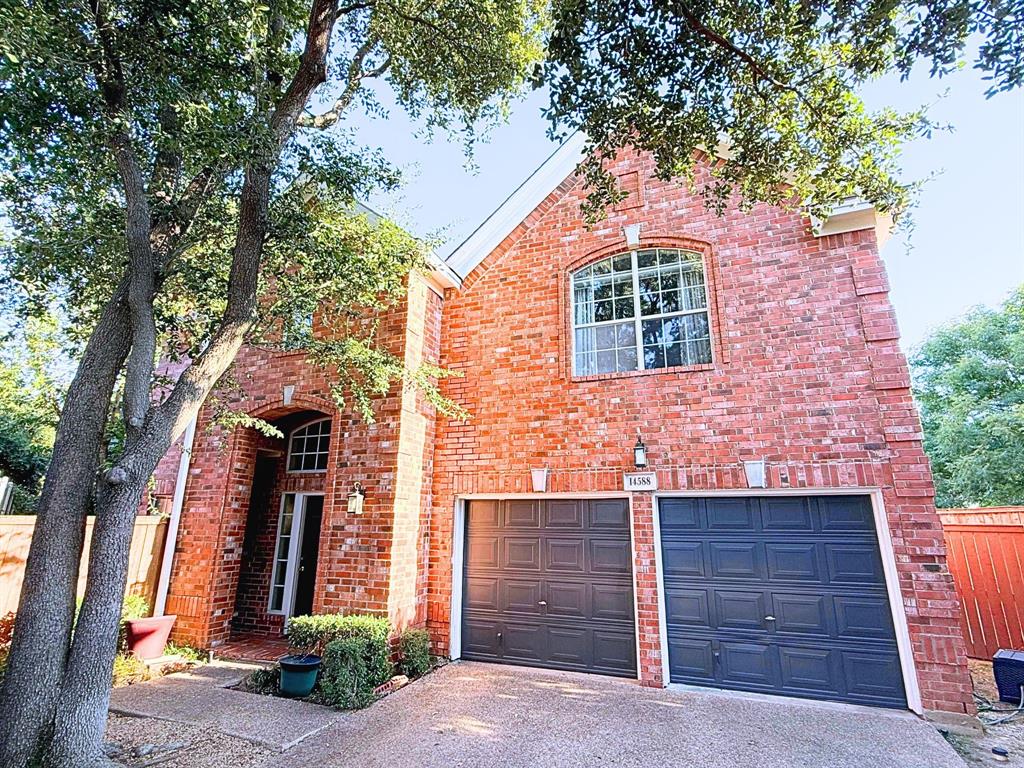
284, 575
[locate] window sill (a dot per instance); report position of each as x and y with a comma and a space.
678, 369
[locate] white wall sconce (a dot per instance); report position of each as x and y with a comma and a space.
355, 499
539, 477
639, 452
632, 233
755, 473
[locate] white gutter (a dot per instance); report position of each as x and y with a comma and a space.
177, 502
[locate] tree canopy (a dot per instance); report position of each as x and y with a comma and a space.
772, 88
969, 383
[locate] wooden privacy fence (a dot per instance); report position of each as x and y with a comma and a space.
143, 564
986, 557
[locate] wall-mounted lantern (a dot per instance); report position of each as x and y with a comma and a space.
755, 473
539, 478
355, 499
639, 452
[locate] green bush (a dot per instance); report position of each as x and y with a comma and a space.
312, 634
265, 681
345, 679
128, 670
415, 652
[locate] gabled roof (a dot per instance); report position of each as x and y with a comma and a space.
517, 206
849, 216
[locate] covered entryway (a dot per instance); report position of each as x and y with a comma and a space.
779, 594
549, 583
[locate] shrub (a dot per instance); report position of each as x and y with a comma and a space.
345, 679
133, 607
415, 649
265, 681
313, 634
128, 670
6, 630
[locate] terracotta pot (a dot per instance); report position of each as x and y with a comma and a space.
147, 638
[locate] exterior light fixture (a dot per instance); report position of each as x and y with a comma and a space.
639, 452
355, 499
539, 477
755, 473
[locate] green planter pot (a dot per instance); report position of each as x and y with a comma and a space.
298, 674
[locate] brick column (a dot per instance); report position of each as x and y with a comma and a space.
645, 574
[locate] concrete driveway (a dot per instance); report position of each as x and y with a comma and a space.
470, 714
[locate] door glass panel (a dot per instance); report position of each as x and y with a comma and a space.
279, 576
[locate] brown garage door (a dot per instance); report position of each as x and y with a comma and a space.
549, 583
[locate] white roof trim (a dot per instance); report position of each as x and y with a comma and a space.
531, 193
851, 215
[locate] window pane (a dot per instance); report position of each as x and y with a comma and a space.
605, 362
646, 258
654, 357
626, 359
625, 335
603, 288
623, 308
603, 267
602, 311
623, 263
585, 363
605, 337
624, 286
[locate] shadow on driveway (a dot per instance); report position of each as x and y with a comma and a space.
471, 714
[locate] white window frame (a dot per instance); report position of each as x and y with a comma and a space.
296, 533
637, 318
291, 442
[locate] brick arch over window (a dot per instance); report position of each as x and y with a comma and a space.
712, 280
276, 409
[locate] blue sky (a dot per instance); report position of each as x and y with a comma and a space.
967, 246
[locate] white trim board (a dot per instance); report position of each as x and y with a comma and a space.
899, 614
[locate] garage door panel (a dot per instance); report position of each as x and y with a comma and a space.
522, 597
731, 514
608, 515
684, 559
739, 610
738, 560
808, 669
522, 514
799, 562
565, 555
873, 675
561, 593
802, 614
854, 564
748, 663
687, 606
481, 593
610, 556
691, 660
567, 599
791, 599
863, 617
526, 642
786, 514
614, 652
521, 554
680, 514
564, 514
483, 514
481, 637
612, 602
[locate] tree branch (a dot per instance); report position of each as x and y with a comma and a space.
356, 75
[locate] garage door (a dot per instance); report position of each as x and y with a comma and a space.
548, 583
779, 595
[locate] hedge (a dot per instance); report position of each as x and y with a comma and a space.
415, 649
345, 679
312, 634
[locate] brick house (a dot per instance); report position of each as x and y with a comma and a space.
692, 457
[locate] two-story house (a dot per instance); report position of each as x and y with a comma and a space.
692, 456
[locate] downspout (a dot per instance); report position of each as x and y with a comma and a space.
177, 502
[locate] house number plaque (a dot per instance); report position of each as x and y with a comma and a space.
639, 481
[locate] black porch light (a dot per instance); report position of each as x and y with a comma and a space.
639, 452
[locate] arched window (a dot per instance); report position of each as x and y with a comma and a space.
308, 447
640, 310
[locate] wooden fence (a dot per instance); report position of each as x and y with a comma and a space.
143, 565
986, 557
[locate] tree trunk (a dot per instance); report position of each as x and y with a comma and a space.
81, 711
42, 630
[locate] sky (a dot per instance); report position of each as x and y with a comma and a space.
966, 247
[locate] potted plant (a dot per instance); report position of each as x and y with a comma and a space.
298, 674
146, 638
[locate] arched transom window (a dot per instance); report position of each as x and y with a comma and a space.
641, 310
308, 447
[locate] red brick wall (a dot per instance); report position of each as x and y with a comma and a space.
807, 375
354, 573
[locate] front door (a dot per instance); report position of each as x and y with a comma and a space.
293, 577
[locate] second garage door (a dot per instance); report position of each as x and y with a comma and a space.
780, 595
549, 583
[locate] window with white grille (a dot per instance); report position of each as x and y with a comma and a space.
309, 446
